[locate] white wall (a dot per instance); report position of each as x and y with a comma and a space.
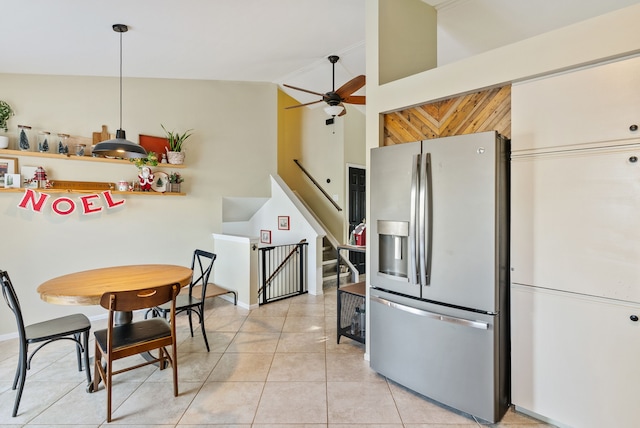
232, 153
323, 150
467, 28
236, 267
284, 203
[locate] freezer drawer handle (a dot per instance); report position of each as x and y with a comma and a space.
460, 321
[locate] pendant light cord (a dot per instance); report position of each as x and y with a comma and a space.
121, 80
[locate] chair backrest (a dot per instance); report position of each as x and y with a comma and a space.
201, 265
10, 296
139, 299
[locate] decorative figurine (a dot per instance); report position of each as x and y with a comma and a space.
146, 178
24, 140
40, 177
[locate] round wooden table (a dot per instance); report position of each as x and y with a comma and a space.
87, 287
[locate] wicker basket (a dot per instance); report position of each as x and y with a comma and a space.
176, 158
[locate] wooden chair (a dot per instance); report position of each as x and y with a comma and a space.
199, 290
71, 327
120, 341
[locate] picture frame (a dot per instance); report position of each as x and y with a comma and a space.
7, 166
283, 222
12, 181
265, 236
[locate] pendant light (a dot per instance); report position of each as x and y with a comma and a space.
120, 147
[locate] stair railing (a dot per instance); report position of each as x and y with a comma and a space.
287, 278
313, 180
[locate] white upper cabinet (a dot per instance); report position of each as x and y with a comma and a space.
574, 222
591, 105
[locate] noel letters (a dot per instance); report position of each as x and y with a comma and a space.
63, 206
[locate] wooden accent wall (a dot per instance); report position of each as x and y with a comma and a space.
467, 114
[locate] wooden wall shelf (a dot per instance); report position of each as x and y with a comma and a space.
113, 192
80, 158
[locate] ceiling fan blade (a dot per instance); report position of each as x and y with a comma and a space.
355, 99
303, 90
302, 105
351, 86
344, 110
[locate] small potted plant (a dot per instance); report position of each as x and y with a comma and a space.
174, 182
175, 155
5, 114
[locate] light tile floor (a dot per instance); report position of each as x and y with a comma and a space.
275, 366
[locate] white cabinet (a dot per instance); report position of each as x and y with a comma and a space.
575, 359
575, 221
591, 105
575, 246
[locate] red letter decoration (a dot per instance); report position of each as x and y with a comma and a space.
110, 202
30, 196
88, 206
37, 201
56, 206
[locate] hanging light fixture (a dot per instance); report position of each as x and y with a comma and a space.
333, 110
120, 146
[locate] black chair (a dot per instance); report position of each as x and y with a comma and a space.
121, 341
71, 327
199, 290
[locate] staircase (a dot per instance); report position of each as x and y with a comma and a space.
329, 263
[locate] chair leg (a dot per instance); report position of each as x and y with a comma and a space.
76, 336
85, 346
204, 333
21, 375
18, 372
189, 311
174, 367
107, 384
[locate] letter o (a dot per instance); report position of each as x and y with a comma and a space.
56, 206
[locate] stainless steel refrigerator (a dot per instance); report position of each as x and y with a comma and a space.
439, 321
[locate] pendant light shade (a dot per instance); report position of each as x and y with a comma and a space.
120, 146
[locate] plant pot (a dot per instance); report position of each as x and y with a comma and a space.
174, 187
175, 158
4, 141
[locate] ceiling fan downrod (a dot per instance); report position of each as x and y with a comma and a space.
333, 59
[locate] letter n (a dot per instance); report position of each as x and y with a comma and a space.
30, 197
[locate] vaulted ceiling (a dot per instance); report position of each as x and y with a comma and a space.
280, 41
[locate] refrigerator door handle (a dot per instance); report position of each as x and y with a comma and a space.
425, 219
433, 315
413, 244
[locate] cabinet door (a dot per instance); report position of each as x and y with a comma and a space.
574, 222
585, 106
575, 358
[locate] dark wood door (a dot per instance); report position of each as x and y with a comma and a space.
357, 210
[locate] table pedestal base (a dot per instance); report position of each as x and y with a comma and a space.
123, 317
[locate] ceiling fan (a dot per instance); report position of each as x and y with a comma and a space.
336, 98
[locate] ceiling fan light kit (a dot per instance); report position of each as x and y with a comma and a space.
120, 147
336, 98
334, 110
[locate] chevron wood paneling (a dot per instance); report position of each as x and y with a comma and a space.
477, 112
